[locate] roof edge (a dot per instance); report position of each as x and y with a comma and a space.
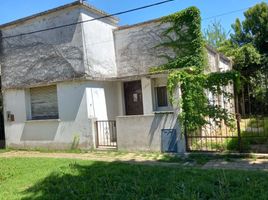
211, 48
139, 24
53, 10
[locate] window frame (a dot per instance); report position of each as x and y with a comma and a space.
29, 108
160, 82
164, 101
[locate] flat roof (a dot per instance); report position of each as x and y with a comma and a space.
138, 24
73, 4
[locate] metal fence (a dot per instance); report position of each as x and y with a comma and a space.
250, 131
249, 135
106, 133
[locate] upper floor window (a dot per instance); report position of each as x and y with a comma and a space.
44, 103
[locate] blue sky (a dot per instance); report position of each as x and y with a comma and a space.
14, 9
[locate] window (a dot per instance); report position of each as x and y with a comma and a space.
161, 94
44, 103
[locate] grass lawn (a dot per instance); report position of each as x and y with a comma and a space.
48, 178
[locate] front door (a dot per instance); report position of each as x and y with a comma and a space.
133, 98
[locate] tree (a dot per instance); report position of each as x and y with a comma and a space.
215, 34
254, 29
246, 58
248, 47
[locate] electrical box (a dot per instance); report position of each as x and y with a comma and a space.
10, 117
169, 141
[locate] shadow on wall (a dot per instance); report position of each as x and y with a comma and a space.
72, 101
40, 131
41, 58
162, 121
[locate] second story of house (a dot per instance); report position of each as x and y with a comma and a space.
78, 41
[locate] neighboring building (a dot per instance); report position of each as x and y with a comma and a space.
88, 85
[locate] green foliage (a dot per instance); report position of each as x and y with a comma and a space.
194, 101
249, 42
245, 58
186, 70
44, 178
215, 34
76, 140
185, 39
253, 29
248, 47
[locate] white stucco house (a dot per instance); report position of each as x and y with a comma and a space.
87, 85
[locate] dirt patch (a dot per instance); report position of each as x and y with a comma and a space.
139, 158
260, 163
244, 164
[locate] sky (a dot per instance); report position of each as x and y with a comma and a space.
11, 10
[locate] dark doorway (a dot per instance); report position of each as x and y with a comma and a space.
2, 132
133, 98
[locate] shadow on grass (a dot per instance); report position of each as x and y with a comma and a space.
100, 180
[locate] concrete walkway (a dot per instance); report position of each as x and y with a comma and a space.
146, 158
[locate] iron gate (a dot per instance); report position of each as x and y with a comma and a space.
106, 133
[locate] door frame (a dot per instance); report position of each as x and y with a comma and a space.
125, 99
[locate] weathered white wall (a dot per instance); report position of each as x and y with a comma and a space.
143, 132
74, 121
217, 62
95, 49
147, 95
213, 59
67, 53
98, 46
136, 50
46, 56
224, 65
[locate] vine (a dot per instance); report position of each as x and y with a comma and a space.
187, 70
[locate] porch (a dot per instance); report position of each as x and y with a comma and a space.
146, 121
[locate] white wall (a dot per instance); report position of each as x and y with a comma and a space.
147, 96
43, 57
143, 132
66, 53
98, 42
136, 50
74, 121
224, 65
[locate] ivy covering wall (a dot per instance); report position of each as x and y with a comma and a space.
187, 71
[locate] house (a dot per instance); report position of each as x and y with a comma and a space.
87, 85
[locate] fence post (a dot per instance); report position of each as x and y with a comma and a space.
97, 133
186, 138
238, 118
